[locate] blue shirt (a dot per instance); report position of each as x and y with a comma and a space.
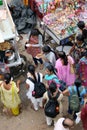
82, 92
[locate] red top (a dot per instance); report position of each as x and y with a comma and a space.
84, 116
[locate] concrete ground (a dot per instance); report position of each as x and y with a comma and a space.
28, 118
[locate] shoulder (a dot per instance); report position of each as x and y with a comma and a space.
58, 124
13, 83
28, 81
70, 59
71, 88
58, 62
61, 119
82, 89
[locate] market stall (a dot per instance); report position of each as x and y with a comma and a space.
42, 7
10, 59
62, 24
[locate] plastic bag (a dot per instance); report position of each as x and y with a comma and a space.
78, 119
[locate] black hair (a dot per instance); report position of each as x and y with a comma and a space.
46, 49
7, 78
81, 24
77, 83
51, 68
63, 56
52, 87
35, 32
80, 37
31, 69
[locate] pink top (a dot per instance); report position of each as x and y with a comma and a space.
64, 71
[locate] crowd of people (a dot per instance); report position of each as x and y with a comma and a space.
71, 69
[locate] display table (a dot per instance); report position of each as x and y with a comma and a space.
63, 23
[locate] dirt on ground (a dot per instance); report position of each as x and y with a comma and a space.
29, 119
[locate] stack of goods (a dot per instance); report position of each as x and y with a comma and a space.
43, 7
63, 23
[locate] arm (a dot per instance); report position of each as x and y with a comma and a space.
66, 92
44, 102
44, 99
72, 49
18, 83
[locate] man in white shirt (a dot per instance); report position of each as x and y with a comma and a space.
63, 124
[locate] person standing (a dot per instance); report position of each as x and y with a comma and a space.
55, 95
9, 95
65, 68
82, 73
46, 57
50, 75
72, 91
30, 86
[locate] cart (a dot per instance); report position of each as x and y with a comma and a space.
9, 55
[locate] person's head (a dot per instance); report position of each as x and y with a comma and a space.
52, 87
50, 69
81, 25
68, 123
63, 56
31, 69
35, 32
46, 49
7, 78
78, 82
79, 39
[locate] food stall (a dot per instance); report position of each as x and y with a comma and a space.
61, 25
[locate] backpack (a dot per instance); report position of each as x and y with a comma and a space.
75, 99
39, 87
52, 107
